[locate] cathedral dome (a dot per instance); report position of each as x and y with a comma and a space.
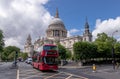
56, 28
56, 21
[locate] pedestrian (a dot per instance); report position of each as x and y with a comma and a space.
117, 65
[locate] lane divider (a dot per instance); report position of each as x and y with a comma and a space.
17, 74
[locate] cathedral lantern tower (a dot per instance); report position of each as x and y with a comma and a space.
56, 29
28, 41
87, 36
28, 48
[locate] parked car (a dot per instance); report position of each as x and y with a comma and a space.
28, 60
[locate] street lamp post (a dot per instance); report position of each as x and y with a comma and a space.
113, 57
113, 50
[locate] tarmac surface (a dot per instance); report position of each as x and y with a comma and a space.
102, 71
7, 71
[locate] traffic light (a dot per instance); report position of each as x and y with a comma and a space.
16, 54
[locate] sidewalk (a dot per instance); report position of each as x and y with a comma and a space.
75, 66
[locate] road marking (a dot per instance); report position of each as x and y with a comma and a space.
51, 76
69, 76
17, 73
26, 74
74, 75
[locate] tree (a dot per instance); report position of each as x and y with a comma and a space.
9, 51
68, 54
62, 51
117, 49
104, 44
93, 50
23, 55
1, 43
11, 56
84, 50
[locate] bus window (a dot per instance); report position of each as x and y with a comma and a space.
50, 48
50, 60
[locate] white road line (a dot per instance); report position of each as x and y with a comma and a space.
75, 75
17, 74
52, 76
69, 76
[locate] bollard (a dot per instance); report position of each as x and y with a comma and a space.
94, 68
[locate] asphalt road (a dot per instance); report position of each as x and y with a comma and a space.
26, 71
6, 72
102, 72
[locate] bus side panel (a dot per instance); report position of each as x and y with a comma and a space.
35, 65
47, 67
41, 66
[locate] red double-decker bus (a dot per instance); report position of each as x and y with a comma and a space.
46, 58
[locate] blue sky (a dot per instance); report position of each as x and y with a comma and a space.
19, 18
74, 12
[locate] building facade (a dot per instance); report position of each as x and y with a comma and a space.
29, 48
57, 32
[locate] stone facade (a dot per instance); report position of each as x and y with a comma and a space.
87, 36
29, 48
56, 32
69, 41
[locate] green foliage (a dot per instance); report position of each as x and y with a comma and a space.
1, 43
101, 37
93, 50
68, 54
23, 55
104, 45
117, 49
9, 52
62, 51
11, 56
84, 50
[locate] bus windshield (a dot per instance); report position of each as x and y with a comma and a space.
50, 60
50, 47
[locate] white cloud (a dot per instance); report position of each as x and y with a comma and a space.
68, 34
18, 18
107, 26
72, 32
